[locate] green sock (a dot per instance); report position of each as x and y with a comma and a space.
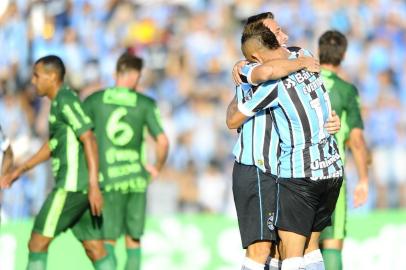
133, 259
37, 261
332, 259
111, 252
105, 263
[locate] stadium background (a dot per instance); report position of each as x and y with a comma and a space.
189, 47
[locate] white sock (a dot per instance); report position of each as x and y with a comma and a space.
249, 264
275, 264
314, 260
293, 263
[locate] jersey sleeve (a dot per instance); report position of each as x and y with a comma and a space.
153, 120
265, 96
246, 72
74, 115
354, 117
4, 141
88, 106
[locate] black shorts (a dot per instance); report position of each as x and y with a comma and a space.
255, 200
305, 206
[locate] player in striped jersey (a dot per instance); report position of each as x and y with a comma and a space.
254, 186
257, 147
310, 166
345, 100
76, 199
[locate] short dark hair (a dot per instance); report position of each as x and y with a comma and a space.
261, 33
54, 63
332, 47
128, 61
259, 17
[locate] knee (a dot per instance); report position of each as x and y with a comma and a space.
94, 249
259, 251
38, 245
132, 242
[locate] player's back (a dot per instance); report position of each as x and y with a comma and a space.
120, 117
345, 102
307, 150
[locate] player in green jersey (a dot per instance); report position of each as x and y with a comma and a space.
345, 101
121, 115
76, 200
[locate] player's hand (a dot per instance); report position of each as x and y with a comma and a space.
361, 193
152, 170
96, 200
333, 123
237, 71
7, 180
311, 64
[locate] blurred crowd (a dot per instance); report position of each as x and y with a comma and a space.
189, 48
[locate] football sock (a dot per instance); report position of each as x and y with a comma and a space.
314, 260
111, 252
275, 264
293, 263
332, 259
133, 259
37, 261
105, 263
249, 264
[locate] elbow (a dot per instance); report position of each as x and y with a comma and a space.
232, 124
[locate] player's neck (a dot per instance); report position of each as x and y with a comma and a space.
277, 54
54, 91
330, 67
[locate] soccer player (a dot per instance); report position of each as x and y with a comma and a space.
6, 155
256, 157
73, 150
121, 115
345, 101
310, 168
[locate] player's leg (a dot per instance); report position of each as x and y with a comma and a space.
88, 229
312, 254
333, 198
254, 197
57, 214
114, 211
297, 202
275, 260
134, 228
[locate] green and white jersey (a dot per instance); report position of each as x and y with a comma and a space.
121, 116
67, 122
346, 102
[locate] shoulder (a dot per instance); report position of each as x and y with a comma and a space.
94, 96
144, 99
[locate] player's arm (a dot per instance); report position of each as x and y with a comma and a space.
279, 68
42, 155
80, 122
333, 123
275, 69
7, 160
234, 117
92, 158
358, 147
154, 124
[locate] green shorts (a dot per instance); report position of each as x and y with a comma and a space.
65, 209
338, 218
123, 213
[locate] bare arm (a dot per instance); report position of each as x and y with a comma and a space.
279, 68
234, 117
92, 158
360, 152
161, 153
7, 161
43, 154
276, 69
